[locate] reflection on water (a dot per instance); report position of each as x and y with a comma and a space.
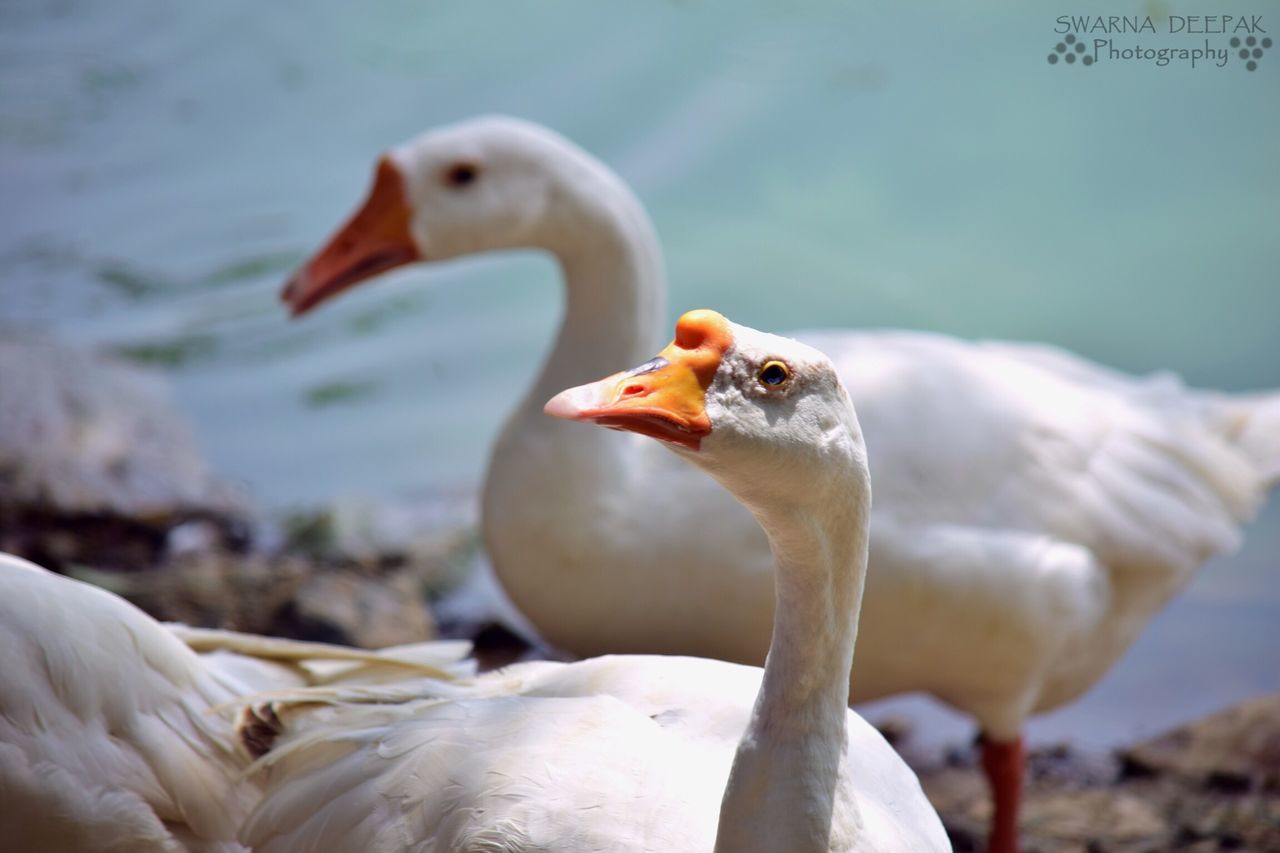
163, 167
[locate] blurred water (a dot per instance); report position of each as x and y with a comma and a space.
164, 165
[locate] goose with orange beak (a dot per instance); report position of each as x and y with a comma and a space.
1034, 510
641, 753
664, 398
375, 239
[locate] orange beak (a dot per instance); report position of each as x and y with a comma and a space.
374, 240
664, 398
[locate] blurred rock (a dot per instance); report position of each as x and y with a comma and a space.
1091, 816
193, 537
1171, 794
212, 589
84, 434
1235, 749
360, 610
361, 528
90, 446
288, 596
435, 535
896, 729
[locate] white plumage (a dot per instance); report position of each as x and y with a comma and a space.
612, 753
633, 753
1033, 510
1020, 490
110, 734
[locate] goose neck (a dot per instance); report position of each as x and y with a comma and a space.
614, 295
781, 790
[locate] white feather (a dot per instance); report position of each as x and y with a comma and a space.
111, 735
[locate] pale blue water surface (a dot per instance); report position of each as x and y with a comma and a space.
163, 165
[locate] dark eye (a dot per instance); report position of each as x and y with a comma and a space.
774, 373
460, 175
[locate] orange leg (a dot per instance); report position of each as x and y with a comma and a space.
1002, 763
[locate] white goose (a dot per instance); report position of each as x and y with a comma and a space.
632, 753
1033, 510
109, 740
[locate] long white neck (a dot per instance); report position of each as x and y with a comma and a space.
781, 791
613, 320
614, 307
614, 290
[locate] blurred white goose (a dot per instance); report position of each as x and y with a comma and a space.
1033, 510
109, 740
632, 753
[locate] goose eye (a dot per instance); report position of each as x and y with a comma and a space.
774, 373
460, 175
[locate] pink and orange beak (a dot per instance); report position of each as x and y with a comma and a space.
374, 240
664, 398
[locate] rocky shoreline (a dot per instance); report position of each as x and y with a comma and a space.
1213, 784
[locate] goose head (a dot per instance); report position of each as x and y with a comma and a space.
765, 415
482, 185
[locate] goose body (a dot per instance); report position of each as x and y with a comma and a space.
111, 737
639, 753
618, 753
1033, 510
